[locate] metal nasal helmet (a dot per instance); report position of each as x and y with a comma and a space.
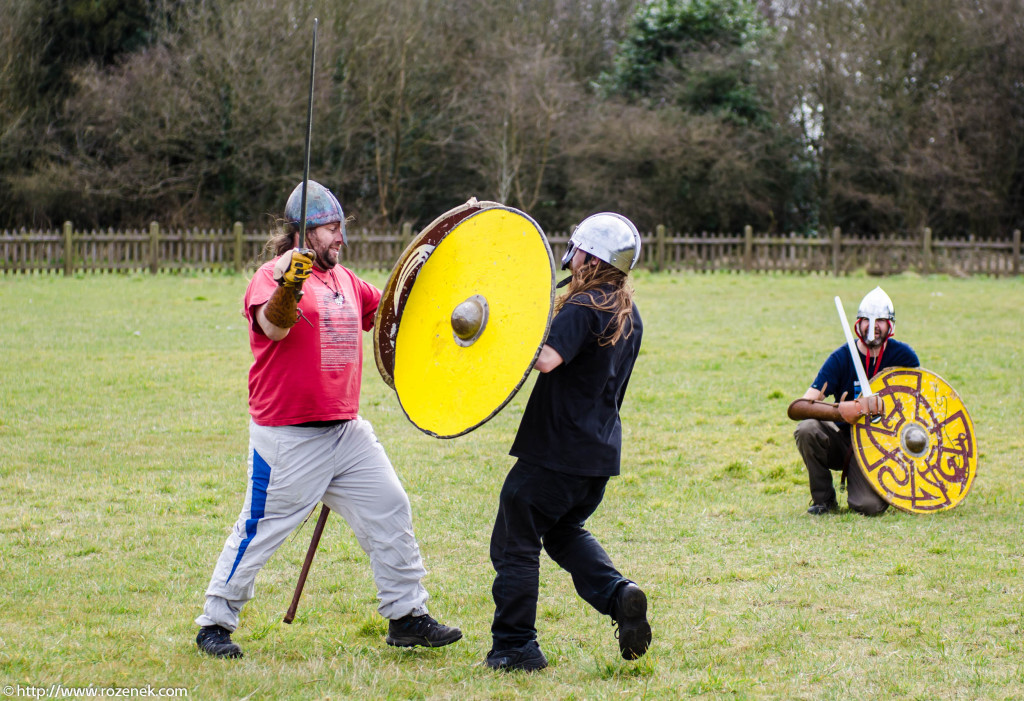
608, 236
322, 207
876, 305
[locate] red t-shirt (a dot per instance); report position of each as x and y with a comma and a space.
314, 373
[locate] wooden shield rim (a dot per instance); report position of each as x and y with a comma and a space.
389, 310
864, 470
544, 336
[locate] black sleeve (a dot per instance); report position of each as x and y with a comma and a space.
571, 330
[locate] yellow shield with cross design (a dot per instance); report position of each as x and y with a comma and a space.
920, 455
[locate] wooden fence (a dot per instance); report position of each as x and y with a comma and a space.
155, 250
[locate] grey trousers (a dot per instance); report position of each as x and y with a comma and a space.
825, 447
291, 468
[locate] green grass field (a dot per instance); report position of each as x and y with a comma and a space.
122, 439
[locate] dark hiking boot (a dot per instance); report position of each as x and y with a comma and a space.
829, 507
630, 614
216, 641
527, 658
420, 630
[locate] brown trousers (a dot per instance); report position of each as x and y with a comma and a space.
825, 447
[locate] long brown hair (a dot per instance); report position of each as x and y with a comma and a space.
589, 287
282, 239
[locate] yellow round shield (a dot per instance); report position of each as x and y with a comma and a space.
920, 455
473, 321
396, 290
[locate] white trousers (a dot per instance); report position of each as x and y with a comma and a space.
291, 468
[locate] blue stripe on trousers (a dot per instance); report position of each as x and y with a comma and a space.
260, 480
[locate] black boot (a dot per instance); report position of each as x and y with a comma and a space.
527, 658
829, 507
216, 641
630, 613
420, 630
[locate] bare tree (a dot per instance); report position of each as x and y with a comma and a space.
518, 105
195, 128
22, 116
902, 106
871, 116
964, 121
667, 166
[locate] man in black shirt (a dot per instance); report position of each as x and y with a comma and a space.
568, 445
823, 434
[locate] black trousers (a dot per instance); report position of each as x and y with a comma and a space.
538, 508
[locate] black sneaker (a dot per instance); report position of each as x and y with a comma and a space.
216, 641
527, 658
829, 507
420, 630
630, 614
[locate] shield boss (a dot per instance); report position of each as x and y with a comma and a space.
920, 455
473, 321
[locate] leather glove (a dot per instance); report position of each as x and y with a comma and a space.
293, 267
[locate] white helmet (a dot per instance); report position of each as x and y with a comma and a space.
875, 305
608, 236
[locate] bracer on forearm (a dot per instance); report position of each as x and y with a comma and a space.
281, 309
814, 409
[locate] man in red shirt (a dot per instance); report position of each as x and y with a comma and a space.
307, 442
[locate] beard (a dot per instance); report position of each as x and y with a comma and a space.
878, 340
326, 259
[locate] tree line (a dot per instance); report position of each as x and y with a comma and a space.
790, 115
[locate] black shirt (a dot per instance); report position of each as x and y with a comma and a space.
571, 422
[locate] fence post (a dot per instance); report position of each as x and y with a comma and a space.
406, 230
836, 245
927, 250
154, 247
659, 247
238, 247
1016, 251
69, 251
748, 247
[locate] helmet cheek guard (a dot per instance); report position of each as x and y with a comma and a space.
569, 253
322, 207
607, 236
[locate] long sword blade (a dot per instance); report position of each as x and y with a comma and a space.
309, 137
865, 386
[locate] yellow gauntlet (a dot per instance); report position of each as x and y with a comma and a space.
293, 267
